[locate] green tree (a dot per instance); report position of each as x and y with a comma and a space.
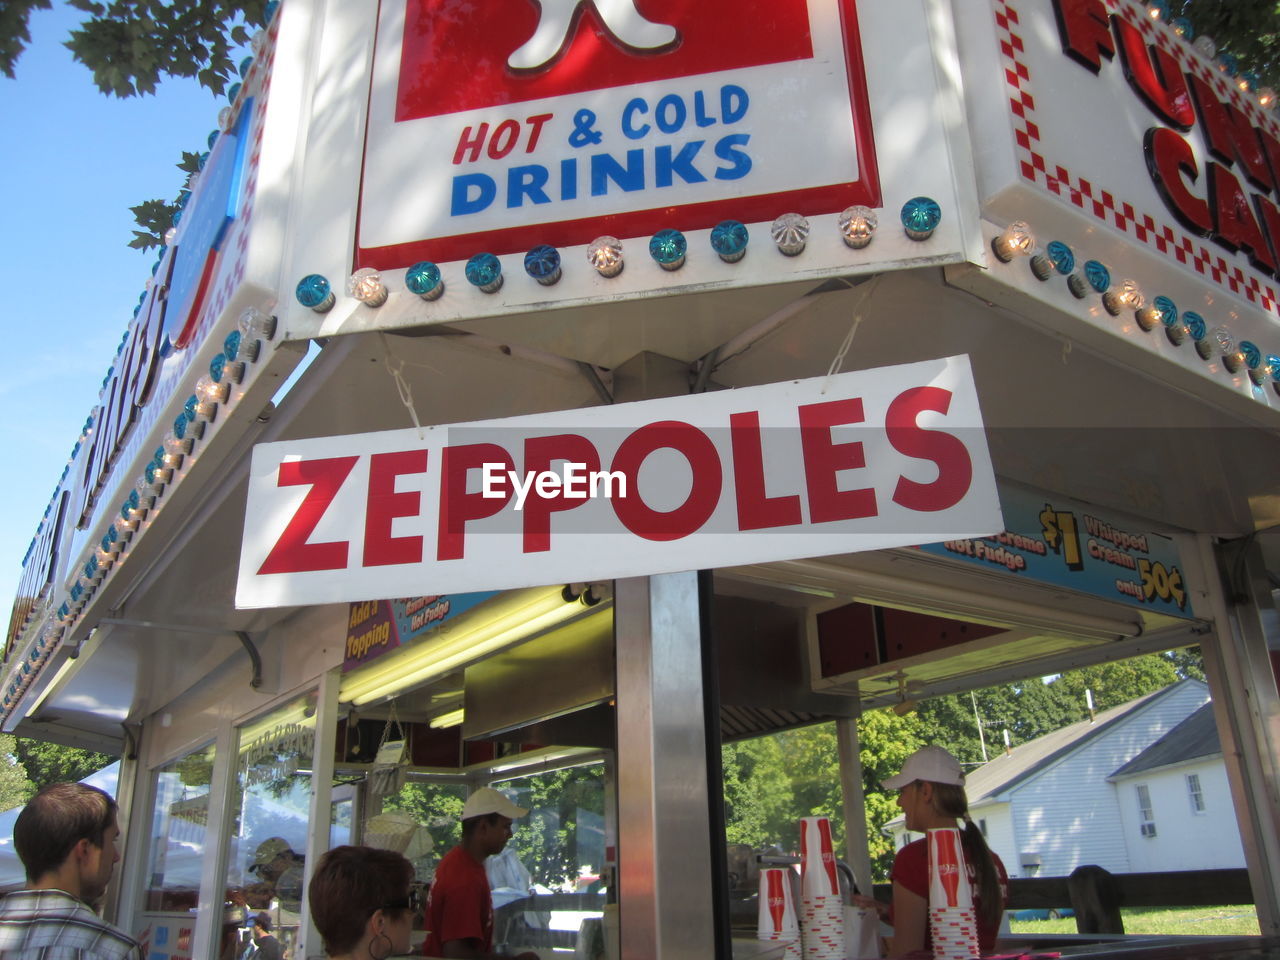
131, 45
15, 788
1249, 31
48, 763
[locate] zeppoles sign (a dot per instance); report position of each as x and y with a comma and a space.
856, 461
1229, 195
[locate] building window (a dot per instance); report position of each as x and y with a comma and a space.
1148, 827
1194, 793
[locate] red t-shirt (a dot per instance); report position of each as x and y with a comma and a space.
460, 906
911, 869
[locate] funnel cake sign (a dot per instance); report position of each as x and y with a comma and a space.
1115, 113
500, 125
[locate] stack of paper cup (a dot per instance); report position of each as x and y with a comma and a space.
821, 909
777, 912
953, 925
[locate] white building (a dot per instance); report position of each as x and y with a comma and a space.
1175, 805
1072, 797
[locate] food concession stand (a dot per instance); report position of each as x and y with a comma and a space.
938, 346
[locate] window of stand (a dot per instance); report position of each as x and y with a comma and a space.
557, 848
179, 843
269, 814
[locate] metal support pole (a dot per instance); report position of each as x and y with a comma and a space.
1247, 710
664, 839
321, 811
213, 870
857, 851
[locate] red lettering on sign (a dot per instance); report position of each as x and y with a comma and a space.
1229, 135
756, 510
385, 504
292, 553
457, 506
539, 454
1169, 160
1082, 24
704, 492
955, 468
1154, 75
823, 459
1235, 226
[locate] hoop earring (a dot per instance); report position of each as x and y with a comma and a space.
386, 953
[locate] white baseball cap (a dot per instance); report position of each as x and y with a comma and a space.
928, 763
488, 800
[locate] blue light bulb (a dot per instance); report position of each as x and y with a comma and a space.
213, 138
1099, 277
180, 426
245, 66
484, 270
1060, 255
313, 292
231, 345
217, 367
183, 197
1183, 28
233, 92
920, 217
149, 474
543, 264
1228, 64
1195, 325
423, 278
189, 408
158, 457
1252, 355
269, 11
668, 248
729, 239
204, 158
1167, 311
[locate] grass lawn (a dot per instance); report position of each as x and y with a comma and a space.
1182, 921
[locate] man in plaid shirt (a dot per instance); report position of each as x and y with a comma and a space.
66, 838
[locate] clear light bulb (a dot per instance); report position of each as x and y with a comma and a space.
1125, 295
1205, 46
366, 286
254, 324
1266, 98
857, 226
1016, 240
211, 391
605, 254
791, 233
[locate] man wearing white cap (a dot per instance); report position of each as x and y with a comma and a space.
460, 906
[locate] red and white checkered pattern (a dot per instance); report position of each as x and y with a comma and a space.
1097, 200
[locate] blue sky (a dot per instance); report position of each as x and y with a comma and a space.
75, 161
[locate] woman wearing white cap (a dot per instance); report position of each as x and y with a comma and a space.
931, 795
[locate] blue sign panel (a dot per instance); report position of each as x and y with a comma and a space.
1051, 539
